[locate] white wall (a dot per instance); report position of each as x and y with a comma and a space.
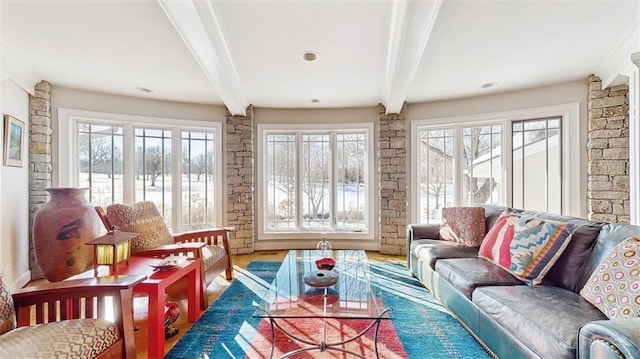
14, 195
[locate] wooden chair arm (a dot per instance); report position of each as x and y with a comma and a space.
82, 298
69, 294
211, 236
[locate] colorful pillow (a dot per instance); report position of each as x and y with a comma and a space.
526, 246
614, 287
142, 218
7, 312
464, 225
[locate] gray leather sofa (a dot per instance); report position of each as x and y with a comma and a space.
513, 320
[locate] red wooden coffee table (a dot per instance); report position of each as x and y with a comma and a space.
155, 286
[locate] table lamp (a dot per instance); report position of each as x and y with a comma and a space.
111, 249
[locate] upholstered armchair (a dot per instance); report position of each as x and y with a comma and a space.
154, 239
69, 319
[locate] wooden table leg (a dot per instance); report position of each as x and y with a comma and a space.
195, 291
156, 323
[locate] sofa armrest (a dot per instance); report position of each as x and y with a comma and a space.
617, 338
421, 231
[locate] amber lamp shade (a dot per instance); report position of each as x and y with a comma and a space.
111, 249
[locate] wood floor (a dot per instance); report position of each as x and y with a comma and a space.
213, 291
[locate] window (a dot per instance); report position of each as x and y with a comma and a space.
125, 159
479, 172
315, 180
537, 165
524, 159
100, 162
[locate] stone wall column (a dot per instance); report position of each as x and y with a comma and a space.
240, 154
392, 180
40, 159
608, 152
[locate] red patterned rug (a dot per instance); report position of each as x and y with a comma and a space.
389, 344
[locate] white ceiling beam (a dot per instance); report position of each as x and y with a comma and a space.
197, 23
612, 69
411, 25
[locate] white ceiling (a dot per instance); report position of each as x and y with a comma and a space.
241, 52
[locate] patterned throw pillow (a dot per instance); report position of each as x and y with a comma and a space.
526, 246
142, 218
614, 287
7, 312
464, 225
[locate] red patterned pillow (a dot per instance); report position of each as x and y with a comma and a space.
464, 225
526, 246
614, 287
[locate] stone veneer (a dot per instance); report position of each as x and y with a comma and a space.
392, 180
239, 149
40, 157
608, 197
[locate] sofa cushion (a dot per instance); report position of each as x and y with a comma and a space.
609, 236
465, 225
211, 255
142, 218
431, 250
614, 287
565, 273
526, 246
466, 274
545, 318
77, 338
7, 311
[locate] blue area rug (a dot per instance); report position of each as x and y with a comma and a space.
426, 329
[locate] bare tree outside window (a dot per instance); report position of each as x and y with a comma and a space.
153, 168
100, 162
316, 159
480, 168
436, 173
481, 164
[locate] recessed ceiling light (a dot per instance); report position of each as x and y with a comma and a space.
488, 85
309, 56
143, 89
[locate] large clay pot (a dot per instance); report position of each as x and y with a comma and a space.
60, 230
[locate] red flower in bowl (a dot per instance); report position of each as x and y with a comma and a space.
326, 263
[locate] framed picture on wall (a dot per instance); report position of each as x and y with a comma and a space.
13, 141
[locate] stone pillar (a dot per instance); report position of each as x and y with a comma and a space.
392, 180
239, 147
608, 152
40, 157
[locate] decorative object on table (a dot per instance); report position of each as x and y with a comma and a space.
13, 141
326, 263
171, 315
170, 262
320, 278
324, 246
61, 228
111, 249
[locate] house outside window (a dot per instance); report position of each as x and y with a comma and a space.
315, 179
525, 159
126, 159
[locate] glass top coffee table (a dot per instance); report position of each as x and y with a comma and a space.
355, 295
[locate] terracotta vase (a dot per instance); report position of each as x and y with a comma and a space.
60, 230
